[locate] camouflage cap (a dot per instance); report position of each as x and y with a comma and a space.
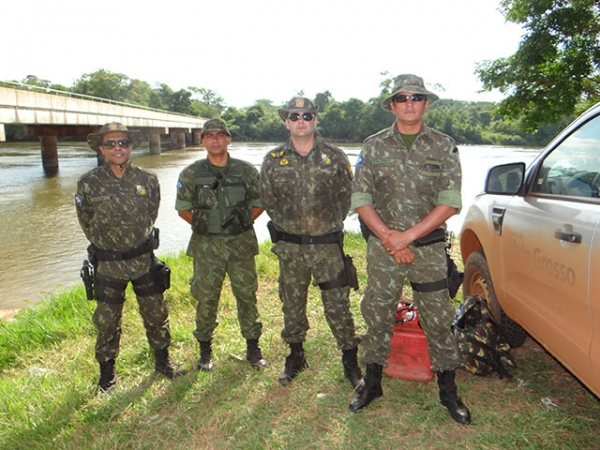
95, 139
298, 104
214, 125
408, 83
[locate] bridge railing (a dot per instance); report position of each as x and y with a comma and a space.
44, 90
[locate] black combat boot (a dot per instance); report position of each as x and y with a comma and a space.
295, 363
108, 377
370, 389
450, 399
254, 354
352, 371
205, 363
164, 365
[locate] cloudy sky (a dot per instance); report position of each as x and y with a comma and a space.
261, 49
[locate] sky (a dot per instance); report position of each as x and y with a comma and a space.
263, 49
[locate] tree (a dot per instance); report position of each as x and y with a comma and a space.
556, 69
209, 105
323, 99
104, 84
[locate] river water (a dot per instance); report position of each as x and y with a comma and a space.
43, 246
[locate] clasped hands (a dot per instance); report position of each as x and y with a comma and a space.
396, 243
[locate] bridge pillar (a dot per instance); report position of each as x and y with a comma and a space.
2, 133
196, 138
49, 155
177, 139
155, 143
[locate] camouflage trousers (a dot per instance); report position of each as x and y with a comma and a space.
383, 292
322, 262
108, 317
234, 257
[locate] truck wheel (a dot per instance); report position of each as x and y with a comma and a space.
479, 282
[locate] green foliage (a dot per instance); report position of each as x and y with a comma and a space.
556, 70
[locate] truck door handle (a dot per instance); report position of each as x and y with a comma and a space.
569, 236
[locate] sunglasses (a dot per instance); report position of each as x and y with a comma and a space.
401, 98
307, 117
123, 143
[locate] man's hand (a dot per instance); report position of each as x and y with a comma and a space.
396, 243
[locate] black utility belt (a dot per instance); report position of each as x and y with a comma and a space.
437, 235
279, 235
108, 255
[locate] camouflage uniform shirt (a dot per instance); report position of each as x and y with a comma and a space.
404, 186
307, 195
117, 214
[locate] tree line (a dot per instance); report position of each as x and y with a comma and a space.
352, 120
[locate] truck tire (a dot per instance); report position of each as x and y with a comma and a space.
479, 282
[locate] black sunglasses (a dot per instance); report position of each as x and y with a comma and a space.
123, 143
401, 98
307, 117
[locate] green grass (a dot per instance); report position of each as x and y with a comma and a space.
48, 393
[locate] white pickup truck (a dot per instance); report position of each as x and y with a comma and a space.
530, 244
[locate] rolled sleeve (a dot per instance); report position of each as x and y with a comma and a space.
359, 199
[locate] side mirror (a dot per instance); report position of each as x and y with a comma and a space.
505, 179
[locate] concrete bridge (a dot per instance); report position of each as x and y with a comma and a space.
48, 113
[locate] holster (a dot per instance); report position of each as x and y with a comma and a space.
348, 277
156, 281
87, 275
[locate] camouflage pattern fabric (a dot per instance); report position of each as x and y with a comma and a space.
306, 195
217, 254
404, 186
309, 195
484, 349
382, 294
237, 188
117, 214
108, 317
297, 263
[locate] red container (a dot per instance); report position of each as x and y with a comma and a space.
409, 358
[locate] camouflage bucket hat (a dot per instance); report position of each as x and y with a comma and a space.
298, 104
408, 83
214, 125
95, 139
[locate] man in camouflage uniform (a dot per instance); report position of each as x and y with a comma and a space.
219, 197
117, 205
305, 187
408, 181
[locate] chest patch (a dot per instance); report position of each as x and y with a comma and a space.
140, 190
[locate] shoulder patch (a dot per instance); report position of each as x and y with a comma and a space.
359, 161
78, 200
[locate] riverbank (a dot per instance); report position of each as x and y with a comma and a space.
48, 379
7, 314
